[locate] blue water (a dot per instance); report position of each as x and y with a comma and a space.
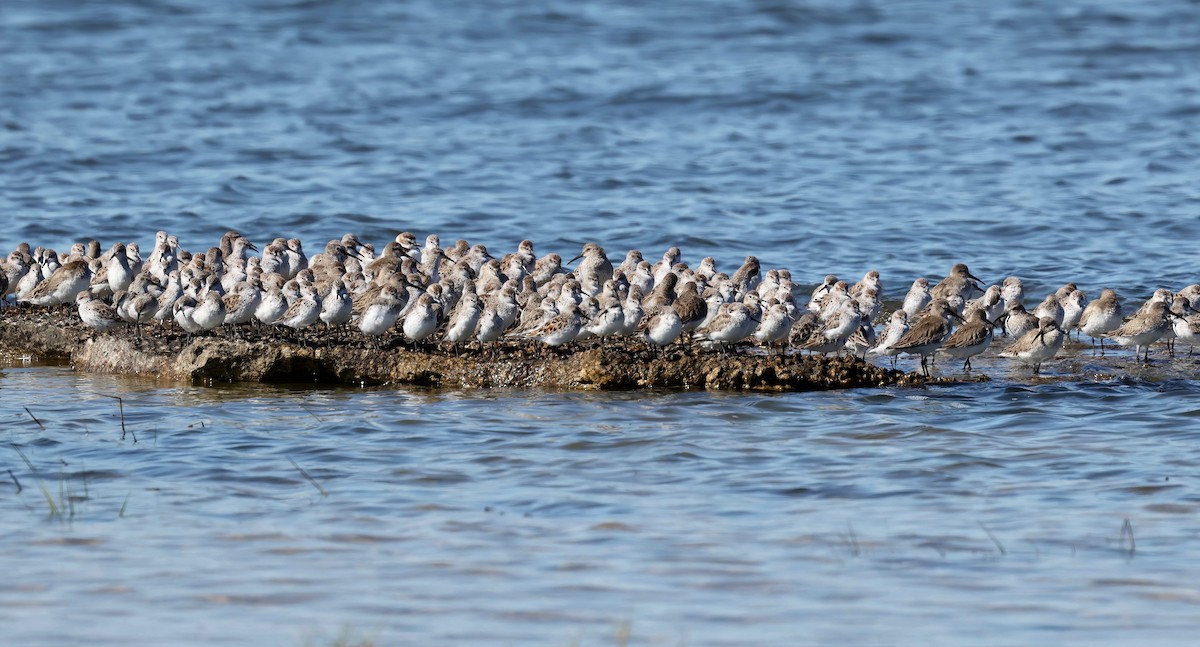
1051, 140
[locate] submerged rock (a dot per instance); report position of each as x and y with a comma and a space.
345, 357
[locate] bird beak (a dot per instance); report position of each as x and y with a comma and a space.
573, 259
251, 246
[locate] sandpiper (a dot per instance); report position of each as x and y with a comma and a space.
662, 327
383, 311
733, 323
1018, 321
303, 312
960, 282
690, 306
595, 268
464, 319
336, 307
1143, 329
971, 338
1037, 346
607, 322
242, 302
422, 319
1050, 307
210, 313
1101, 317
561, 329
832, 337
775, 326
63, 285
96, 313
895, 329
929, 333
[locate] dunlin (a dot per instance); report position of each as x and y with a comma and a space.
1143, 329
1037, 346
971, 338
928, 333
1101, 317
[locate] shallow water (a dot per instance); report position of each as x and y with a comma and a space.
545, 518
1050, 140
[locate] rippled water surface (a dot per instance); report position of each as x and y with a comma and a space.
1052, 140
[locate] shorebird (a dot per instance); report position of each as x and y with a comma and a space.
561, 329
641, 278
1143, 329
272, 303
242, 302
632, 258
661, 327
1050, 307
422, 319
690, 306
464, 319
137, 307
304, 311
959, 282
595, 268
1101, 317
184, 308
97, 314
895, 329
608, 321
14, 269
1185, 326
928, 333
747, 277
210, 312
659, 270
863, 338
1073, 306
819, 292
632, 310
775, 326
971, 338
1018, 321
1037, 346
118, 275
1012, 291
383, 311
733, 323
992, 303
870, 280
663, 295
62, 286
917, 298
336, 307
832, 337
546, 268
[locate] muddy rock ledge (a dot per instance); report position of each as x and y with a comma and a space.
346, 357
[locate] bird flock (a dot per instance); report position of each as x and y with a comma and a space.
462, 294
